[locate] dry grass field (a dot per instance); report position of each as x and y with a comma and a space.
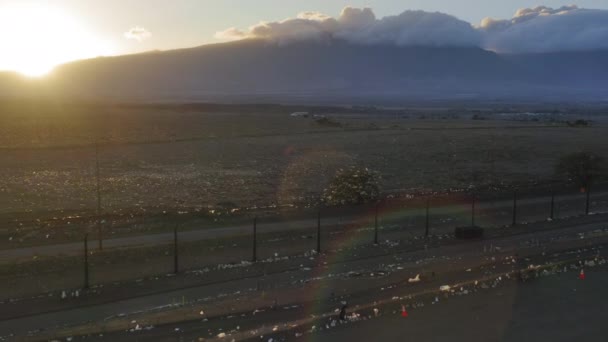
204, 159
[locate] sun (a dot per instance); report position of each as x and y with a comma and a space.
36, 38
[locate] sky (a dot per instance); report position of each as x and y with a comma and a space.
62, 30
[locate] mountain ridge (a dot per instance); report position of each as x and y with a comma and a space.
240, 70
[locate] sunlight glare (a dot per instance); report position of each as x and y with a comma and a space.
36, 38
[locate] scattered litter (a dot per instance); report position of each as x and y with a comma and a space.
415, 279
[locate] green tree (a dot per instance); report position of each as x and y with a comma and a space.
353, 186
581, 167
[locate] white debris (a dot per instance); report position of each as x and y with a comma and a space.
444, 288
221, 335
276, 327
415, 279
376, 312
202, 313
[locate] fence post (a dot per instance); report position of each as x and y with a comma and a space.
587, 201
376, 225
99, 235
514, 208
255, 242
552, 205
319, 231
426, 230
86, 261
175, 252
473, 212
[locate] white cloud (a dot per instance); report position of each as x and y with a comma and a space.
138, 33
231, 33
360, 26
531, 30
544, 29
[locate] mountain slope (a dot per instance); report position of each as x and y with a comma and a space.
239, 70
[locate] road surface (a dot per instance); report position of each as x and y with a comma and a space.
555, 308
292, 285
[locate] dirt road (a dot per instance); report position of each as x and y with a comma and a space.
359, 279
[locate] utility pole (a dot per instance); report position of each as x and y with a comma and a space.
98, 188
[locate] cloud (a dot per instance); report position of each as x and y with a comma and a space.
138, 33
360, 26
231, 33
544, 29
531, 30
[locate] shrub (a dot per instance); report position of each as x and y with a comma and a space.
324, 121
352, 186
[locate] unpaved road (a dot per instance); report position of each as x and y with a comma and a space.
301, 282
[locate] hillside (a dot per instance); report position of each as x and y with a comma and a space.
250, 69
